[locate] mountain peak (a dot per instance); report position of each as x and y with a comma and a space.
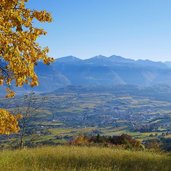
100, 57
115, 58
99, 60
68, 59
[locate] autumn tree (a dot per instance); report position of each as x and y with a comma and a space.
19, 50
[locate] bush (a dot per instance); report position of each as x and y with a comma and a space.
123, 140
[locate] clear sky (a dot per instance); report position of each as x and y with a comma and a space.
138, 29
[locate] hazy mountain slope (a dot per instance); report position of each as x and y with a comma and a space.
100, 71
168, 63
114, 70
49, 78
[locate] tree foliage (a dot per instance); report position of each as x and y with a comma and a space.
8, 122
19, 50
124, 140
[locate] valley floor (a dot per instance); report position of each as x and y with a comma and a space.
71, 158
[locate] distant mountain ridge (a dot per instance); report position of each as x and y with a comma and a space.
100, 71
114, 59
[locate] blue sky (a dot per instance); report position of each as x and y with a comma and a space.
138, 29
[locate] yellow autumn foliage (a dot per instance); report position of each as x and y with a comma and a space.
8, 122
19, 51
18, 46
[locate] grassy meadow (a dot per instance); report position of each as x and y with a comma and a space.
72, 158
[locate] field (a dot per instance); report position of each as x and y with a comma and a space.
144, 114
65, 114
70, 158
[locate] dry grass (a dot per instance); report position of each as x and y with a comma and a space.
69, 158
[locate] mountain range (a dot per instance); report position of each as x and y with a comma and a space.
100, 71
